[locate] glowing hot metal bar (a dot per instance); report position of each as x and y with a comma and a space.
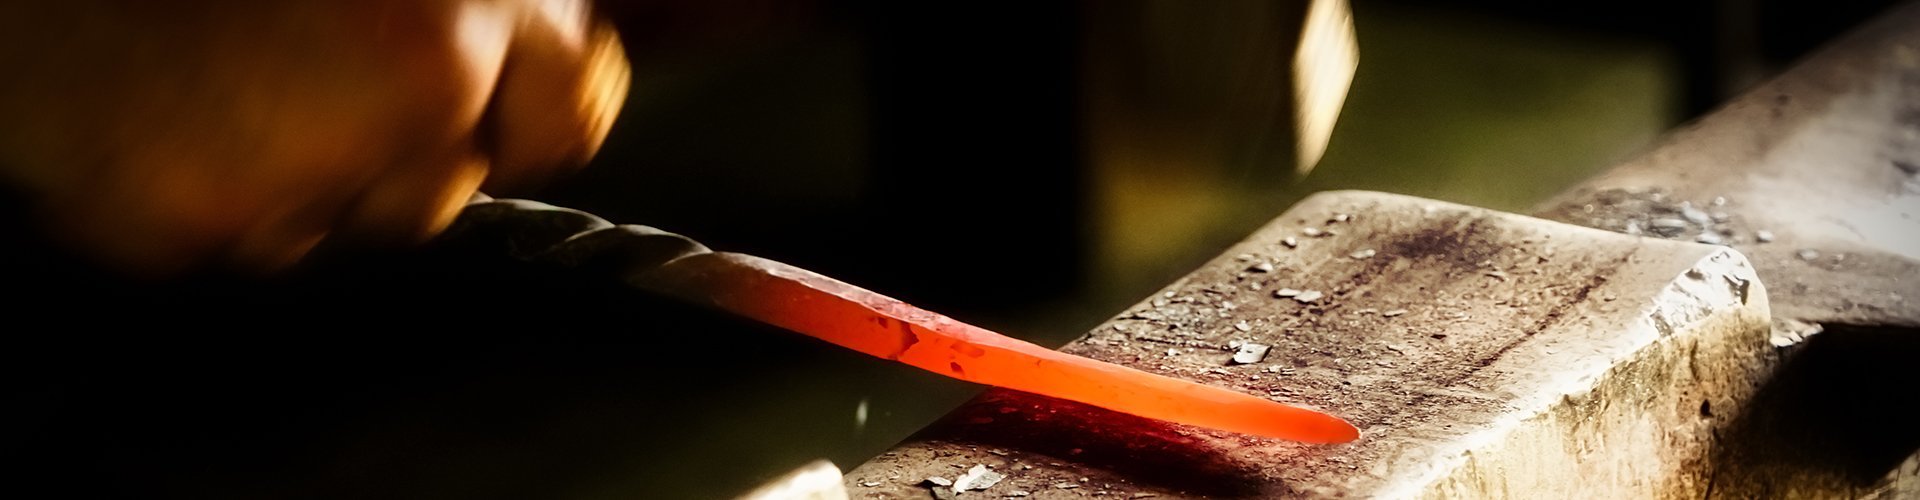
825, 308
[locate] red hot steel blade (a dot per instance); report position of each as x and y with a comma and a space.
852, 317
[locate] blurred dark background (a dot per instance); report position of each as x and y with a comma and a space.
951, 155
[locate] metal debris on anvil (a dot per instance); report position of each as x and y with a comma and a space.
1250, 353
1667, 226
977, 478
1650, 212
1787, 332
1695, 215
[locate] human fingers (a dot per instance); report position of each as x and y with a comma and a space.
563, 82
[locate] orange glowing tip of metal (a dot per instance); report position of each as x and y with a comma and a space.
825, 308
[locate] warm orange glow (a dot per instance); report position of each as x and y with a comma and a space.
868, 322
